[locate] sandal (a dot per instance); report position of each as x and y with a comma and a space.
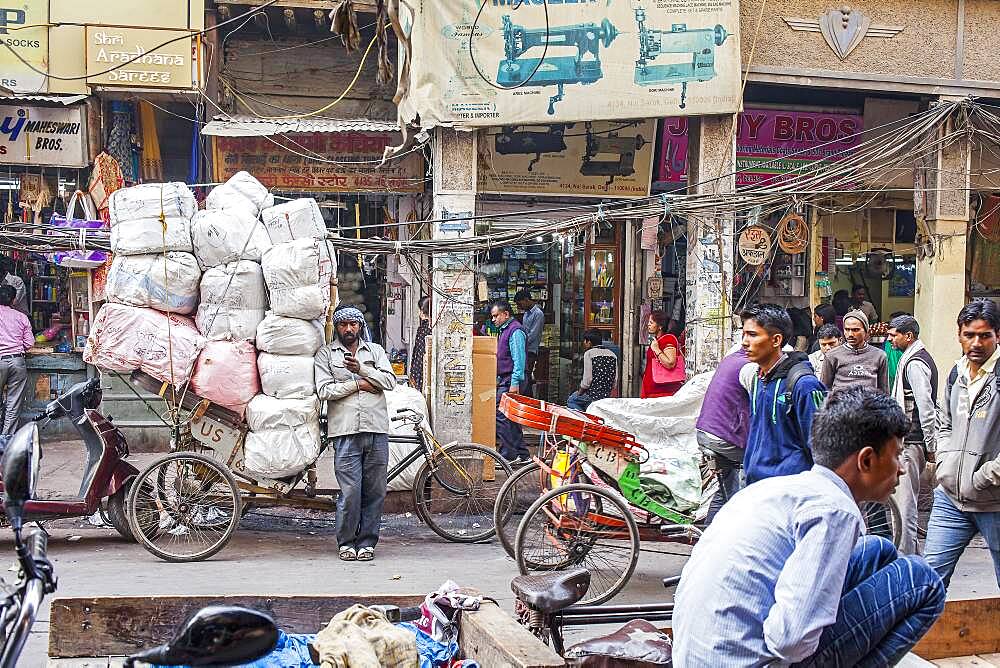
348, 553
366, 554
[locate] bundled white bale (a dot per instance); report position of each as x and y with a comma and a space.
125, 338
226, 374
149, 200
233, 301
300, 219
286, 376
242, 195
285, 435
220, 237
295, 219
289, 336
166, 282
266, 413
136, 228
295, 280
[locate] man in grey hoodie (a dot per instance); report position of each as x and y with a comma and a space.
967, 500
856, 362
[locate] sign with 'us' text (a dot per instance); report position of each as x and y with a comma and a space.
510, 62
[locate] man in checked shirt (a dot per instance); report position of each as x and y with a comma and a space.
784, 575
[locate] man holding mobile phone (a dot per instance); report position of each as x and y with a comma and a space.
352, 375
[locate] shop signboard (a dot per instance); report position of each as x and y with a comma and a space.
598, 159
320, 162
134, 57
25, 35
769, 145
754, 245
44, 136
503, 62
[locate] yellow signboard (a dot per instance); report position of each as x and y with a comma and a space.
24, 31
133, 57
598, 159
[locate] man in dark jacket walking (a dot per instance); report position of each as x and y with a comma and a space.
967, 500
784, 396
722, 426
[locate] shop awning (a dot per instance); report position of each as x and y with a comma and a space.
50, 99
251, 126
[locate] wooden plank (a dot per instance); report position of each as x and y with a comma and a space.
966, 627
991, 659
494, 639
118, 626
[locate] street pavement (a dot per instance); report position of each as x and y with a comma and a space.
290, 551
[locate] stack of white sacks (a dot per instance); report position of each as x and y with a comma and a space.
284, 421
152, 286
251, 253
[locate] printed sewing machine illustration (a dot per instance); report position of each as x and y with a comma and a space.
527, 140
556, 70
699, 43
613, 144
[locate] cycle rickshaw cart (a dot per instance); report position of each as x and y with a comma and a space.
187, 504
592, 511
580, 504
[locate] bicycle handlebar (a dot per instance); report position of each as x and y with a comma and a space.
38, 543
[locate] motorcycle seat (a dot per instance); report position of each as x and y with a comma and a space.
551, 592
637, 644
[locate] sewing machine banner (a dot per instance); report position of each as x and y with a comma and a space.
600, 158
769, 144
504, 62
347, 162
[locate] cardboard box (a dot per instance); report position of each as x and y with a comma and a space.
484, 390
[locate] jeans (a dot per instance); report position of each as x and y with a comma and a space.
906, 494
579, 401
949, 531
510, 438
728, 462
360, 464
889, 603
13, 379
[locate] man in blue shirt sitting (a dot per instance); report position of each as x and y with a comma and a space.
784, 575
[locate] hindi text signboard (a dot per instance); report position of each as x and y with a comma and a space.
321, 162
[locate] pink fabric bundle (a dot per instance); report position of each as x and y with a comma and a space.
226, 374
126, 338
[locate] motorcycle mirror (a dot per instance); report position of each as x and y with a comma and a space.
216, 636
21, 462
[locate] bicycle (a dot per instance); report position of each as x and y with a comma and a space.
186, 505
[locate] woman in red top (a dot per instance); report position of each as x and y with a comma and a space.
663, 351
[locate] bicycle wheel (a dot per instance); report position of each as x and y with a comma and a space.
883, 519
455, 491
513, 501
184, 507
580, 526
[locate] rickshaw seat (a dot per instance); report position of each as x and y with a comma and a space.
551, 592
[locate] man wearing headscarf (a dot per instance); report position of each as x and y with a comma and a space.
352, 375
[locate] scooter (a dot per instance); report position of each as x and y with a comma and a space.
106, 475
19, 603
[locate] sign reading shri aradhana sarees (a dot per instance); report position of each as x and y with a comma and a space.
320, 162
